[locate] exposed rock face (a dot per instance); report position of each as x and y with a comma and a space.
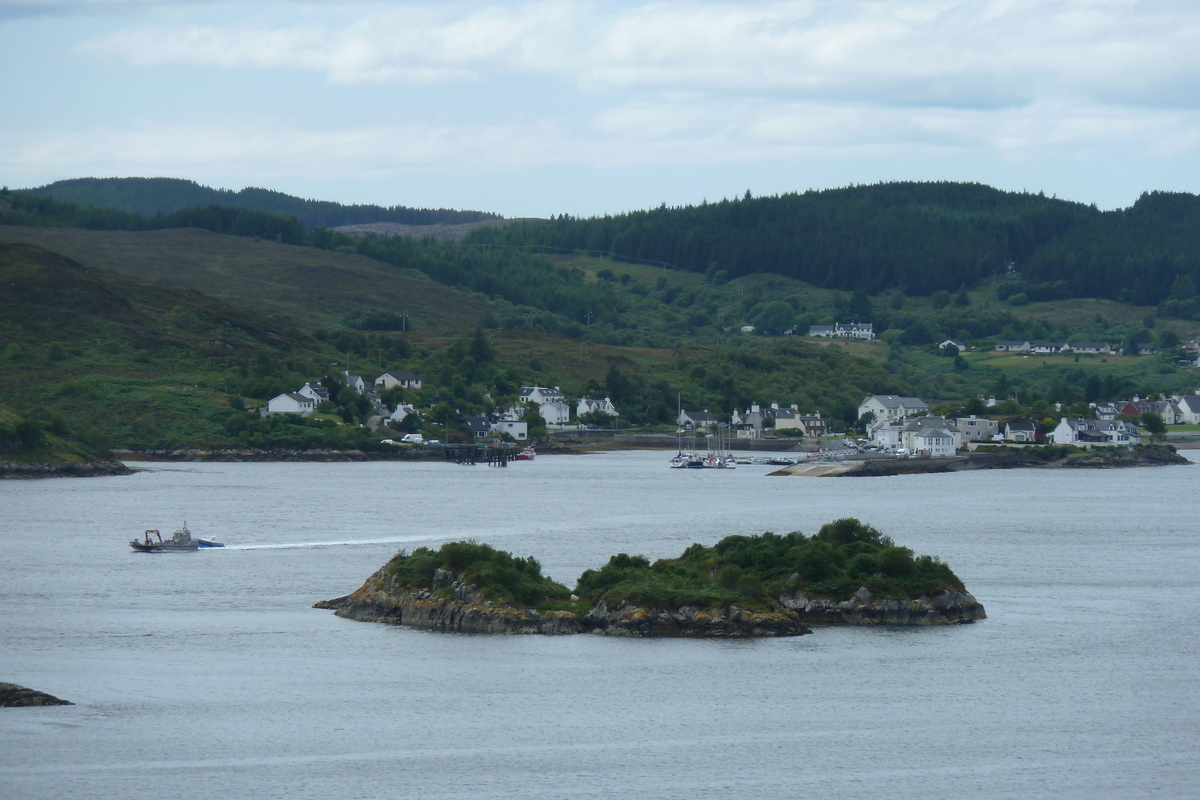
630, 620
12, 696
943, 608
466, 612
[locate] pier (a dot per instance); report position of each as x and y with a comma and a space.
492, 455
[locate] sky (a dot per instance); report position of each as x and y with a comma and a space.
588, 108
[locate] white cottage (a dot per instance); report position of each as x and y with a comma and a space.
291, 403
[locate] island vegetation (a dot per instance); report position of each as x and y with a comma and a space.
763, 585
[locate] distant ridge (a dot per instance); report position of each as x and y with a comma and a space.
151, 196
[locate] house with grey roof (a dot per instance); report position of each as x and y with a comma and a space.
291, 403
1005, 346
696, 420
402, 378
927, 434
1189, 409
1087, 432
891, 407
1021, 431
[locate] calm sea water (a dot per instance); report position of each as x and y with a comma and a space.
208, 675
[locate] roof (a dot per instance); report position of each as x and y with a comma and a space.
895, 401
1023, 425
402, 375
941, 433
699, 416
1191, 401
1011, 343
299, 398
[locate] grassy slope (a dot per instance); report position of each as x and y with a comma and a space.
121, 359
303, 285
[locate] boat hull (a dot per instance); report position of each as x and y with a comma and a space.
164, 547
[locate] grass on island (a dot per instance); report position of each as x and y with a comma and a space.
748, 571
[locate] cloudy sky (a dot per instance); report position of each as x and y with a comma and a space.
536, 108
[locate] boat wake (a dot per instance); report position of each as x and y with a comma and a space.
338, 543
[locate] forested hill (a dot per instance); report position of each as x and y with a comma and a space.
151, 196
917, 237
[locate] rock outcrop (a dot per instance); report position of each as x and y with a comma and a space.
943, 608
451, 605
688, 621
21, 469
12, 696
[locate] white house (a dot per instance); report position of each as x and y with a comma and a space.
959, 344
555, 412
891, 407
291, 403
1022, 346
355, 382
1050, 347
317, 393
517, 429
927, 434
1098, 348
854, 330
402, 411
1189, 409
1096, 431
401, 378
550, 402
589, 406
887, 435
934, 441
844, 330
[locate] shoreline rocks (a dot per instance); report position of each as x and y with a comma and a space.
14, 696
18, 469
943, 608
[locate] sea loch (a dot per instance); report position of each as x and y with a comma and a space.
208, 675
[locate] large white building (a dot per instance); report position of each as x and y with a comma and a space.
892, 407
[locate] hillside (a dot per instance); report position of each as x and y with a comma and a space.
118, 362
305, 286
151, 196
918, 238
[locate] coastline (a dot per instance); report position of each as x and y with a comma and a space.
1153, 456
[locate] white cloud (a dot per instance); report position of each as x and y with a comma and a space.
693, 133
962, 53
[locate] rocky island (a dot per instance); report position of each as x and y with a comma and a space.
14, 696
848, 573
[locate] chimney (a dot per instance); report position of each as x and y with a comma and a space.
775, 406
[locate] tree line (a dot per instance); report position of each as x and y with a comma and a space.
918, 238
152, 196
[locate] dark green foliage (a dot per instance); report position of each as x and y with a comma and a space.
922, 236
498, 575
153, 196
752, 571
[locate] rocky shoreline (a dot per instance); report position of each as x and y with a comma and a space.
452, 605
18, 469
1003, 459
14, 696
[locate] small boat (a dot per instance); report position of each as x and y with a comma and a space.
205, 543
180, 542
525, 455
